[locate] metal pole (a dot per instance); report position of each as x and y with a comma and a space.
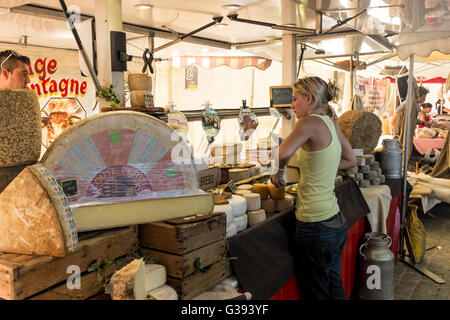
406, 152
98, 87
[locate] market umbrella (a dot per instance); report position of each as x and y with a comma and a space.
447, 84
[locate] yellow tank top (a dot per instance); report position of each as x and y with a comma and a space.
316, 198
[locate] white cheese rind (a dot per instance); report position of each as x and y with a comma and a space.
238, 204
165, 292
155, 276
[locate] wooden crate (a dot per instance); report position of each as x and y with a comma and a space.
22, 276
184, 238
181, 266
190, 287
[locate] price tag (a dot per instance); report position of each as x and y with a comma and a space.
148, 100
233, 187
70, 187
274, 112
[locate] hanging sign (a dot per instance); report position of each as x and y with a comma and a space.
191, 77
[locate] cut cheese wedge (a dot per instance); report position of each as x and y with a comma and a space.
276, 193
262, 189
35, 217
165, 292
129, 282
104, 216
155, 276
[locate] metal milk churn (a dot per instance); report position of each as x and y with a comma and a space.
391, 159
376, 268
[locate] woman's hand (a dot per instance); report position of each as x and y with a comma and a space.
278, 178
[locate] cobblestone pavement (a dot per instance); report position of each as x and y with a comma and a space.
410, 284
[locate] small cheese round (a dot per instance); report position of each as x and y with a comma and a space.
248, 187
255, 217
276, 193
238, 204
242, 192
286, 203
262, 189
253, 201
227, 208
241, 222
269, 205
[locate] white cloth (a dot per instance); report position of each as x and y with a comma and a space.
378, 199
440, 188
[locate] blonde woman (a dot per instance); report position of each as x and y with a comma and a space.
321, 230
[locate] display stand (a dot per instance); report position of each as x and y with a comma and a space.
404, 234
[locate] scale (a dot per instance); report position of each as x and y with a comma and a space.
210, 124
248, 122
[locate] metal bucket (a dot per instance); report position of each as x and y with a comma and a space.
391, 159
376, 268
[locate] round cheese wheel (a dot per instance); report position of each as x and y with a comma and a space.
137, 98
238, 174
246, 187
165, 292
231, 229
255, 217
242, 192
241, 222
286, 203
276, 193
227, 208
253, 201
262, 189
269, 205
238, 204
139, 81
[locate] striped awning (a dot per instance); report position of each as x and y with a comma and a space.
209, 62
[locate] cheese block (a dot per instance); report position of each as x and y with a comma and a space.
238, 204
360, 161
253, 201
165, 292
276, 193
139, 81
137, 98
241, 223
246, 187
242, 192
20, 127
238, 174
129, 282
35, 217
286, 203
97, 216
269, 205
370, 158
121, 156
227, 208
231, 229
226, 149
155, 276
262, 189
255, 217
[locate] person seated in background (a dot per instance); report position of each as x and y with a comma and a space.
424, 120
13, 70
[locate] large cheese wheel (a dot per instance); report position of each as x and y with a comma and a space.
241, 222
122, 156
246, 187
227, 208
35, 217
269, 205
286, 203
139, 81
361, 128
253, 201
164, 292
238, 174
137, 98
238, 204
231, 229
129, 283
262, 189
20, 127
242, 192
255, 217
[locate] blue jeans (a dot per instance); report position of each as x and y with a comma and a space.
318, 248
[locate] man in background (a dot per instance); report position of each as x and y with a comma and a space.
13, 70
